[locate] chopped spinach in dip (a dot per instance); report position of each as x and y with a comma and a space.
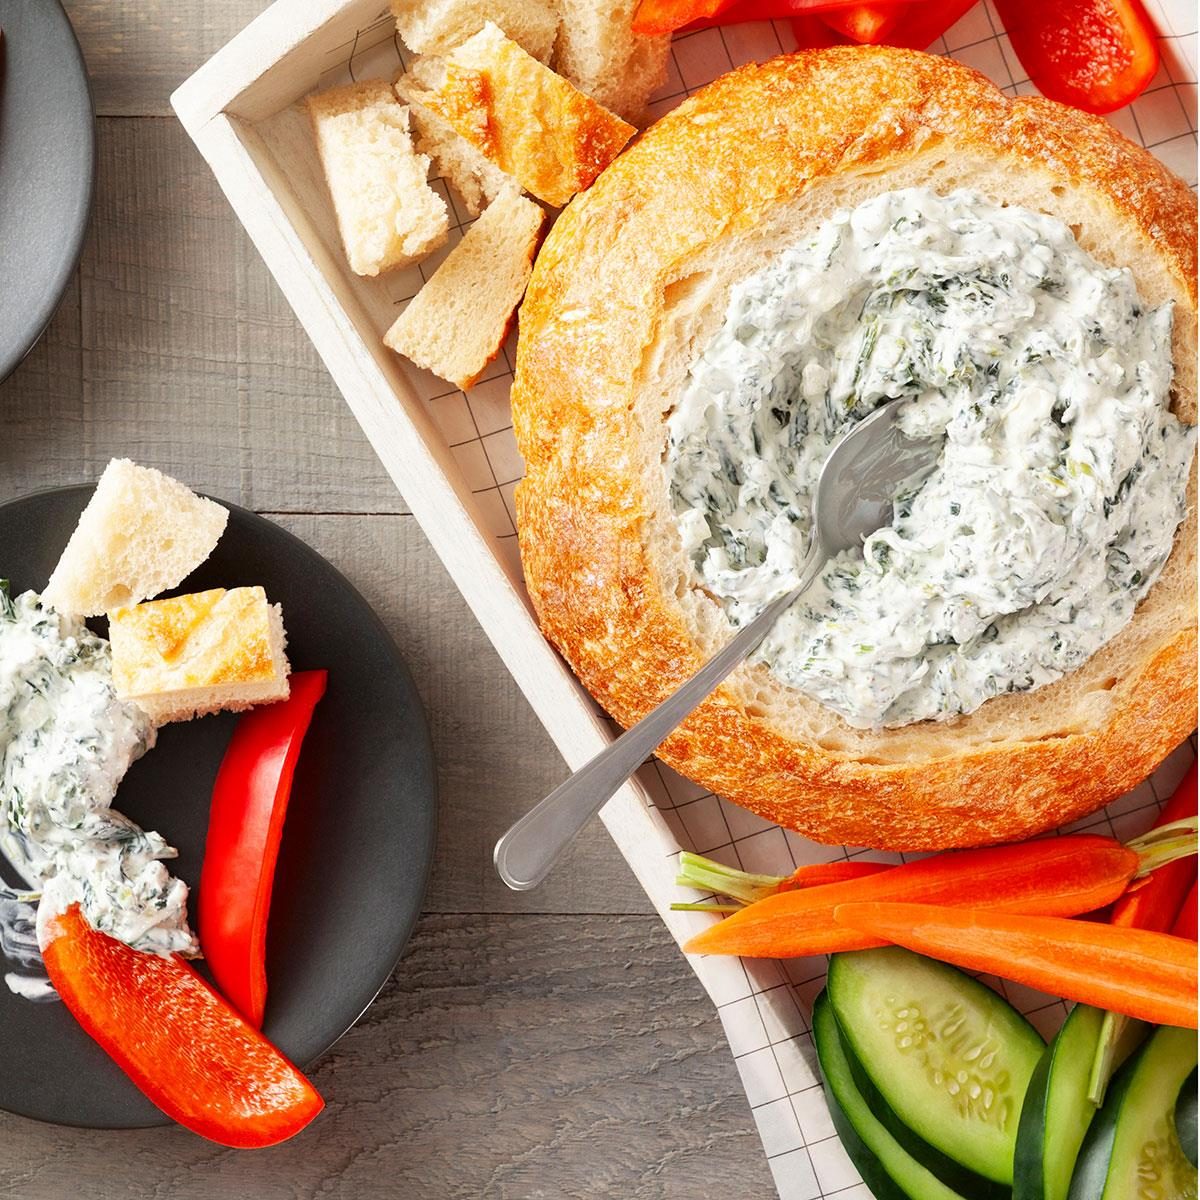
66, 741
1060, 484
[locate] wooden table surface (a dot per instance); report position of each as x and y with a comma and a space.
549, 1044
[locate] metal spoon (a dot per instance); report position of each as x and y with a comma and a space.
865, 470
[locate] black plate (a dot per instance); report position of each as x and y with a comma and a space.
47, 167
360, 827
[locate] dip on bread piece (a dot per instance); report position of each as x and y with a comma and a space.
189, 655
141, 533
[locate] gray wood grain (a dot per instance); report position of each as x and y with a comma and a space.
529, 1045
139, 53
508, 1058
494, 758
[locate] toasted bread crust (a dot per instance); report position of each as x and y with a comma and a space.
715, 169
531, 122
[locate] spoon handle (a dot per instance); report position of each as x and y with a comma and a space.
525, 854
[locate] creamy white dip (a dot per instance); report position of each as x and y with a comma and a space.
66, 741
1060, 485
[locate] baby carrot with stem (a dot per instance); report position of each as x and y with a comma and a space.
708, 875
1147, 975
1061, 876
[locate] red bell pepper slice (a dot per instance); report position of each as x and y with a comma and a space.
1154, 902
245, 826
183, 1046
1095, 54
1185, 923
918, 25
867, 24
655, 17
666, 16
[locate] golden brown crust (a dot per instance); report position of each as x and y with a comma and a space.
713, 170
531, 122
201, 640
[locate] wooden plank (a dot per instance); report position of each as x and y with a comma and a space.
41, 409
302, 448
159, 317
508, 1057
137, 54
191, 360
495, 759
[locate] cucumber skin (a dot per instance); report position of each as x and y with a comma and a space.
827, 1039
1095, 1165
989, 1163
1185, 1118
952, 1173
1045, 1157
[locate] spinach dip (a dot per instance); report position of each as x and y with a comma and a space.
66, 741
1060, 484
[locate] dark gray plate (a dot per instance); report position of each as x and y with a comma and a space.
360, 828
47, 166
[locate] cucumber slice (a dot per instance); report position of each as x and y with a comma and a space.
951, 1058
1185, 1118
1132, 1150
1057, 1112
954, 1175
887, 1169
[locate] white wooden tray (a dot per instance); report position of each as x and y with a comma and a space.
454, 458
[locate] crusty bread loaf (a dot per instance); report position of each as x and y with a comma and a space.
190, 655
632, 282
456, 324
531, 122
440, 26
476, 179
141, 533
600, 54
387, 214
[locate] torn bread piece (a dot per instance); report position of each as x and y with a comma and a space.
456, 324
387, 214
440, 26
600, 54
531, 122
189, 655
141, 533
476, 179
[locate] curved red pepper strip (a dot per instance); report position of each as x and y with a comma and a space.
1185, 923
183, 1046
1155, 901
917, 26
245, 826
1097, 55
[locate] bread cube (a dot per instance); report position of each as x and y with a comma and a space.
387, 214
189, 655
456, 324
141, 533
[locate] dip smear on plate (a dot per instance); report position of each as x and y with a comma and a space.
66, 741
1061, 482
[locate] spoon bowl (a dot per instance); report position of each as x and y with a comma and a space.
867, 468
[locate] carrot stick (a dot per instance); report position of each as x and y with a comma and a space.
1185, 923
1056, 876
1154, 903
708, 875
819, 874
1151, 976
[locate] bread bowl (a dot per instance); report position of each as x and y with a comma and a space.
631, 286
